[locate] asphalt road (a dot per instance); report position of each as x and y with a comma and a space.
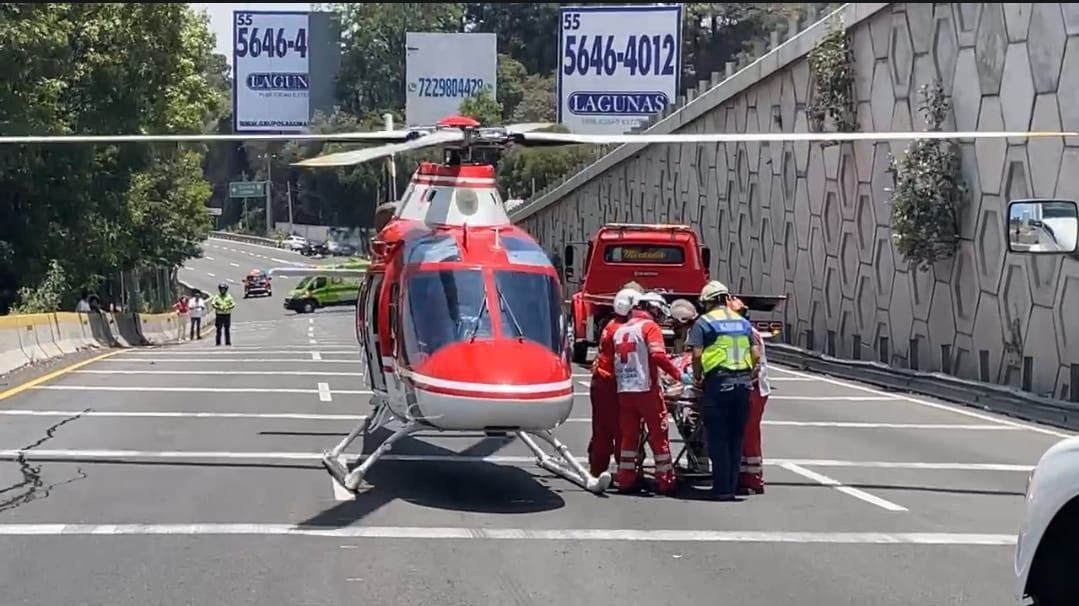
178, 475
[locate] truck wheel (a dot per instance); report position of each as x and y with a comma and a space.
580, 352
1053, 580
309, 306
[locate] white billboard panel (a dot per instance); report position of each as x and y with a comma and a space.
618, 65
442, 70
271, 80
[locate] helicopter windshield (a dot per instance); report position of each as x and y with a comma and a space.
534, 300
444, 306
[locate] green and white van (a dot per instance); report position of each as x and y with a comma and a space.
318, 291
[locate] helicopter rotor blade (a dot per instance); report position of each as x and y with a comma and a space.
383, 136
541, 139
304, 272
526, 127
360, 156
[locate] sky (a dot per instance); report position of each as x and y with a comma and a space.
221, 17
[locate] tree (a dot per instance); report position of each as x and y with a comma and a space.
99, 69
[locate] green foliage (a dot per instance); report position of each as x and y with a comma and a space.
831, 65
483, 108
47, 296
930, 192
70, 68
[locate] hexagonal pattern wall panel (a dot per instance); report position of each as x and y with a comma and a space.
814, 223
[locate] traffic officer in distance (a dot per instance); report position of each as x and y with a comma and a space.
603, 391
639, 353
223, 304
725, 361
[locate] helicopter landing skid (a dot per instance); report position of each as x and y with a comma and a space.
564, 465
334, 460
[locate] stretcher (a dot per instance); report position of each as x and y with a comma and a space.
690, 456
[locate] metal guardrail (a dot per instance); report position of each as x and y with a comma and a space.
975, 394
246, 239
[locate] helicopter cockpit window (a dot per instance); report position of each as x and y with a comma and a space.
444, 307
531, 306
435, 248
520, 251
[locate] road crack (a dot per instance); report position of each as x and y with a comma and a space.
32, 487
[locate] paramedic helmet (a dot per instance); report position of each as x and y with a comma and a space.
624, 301
713, 291
655, 304
683, 311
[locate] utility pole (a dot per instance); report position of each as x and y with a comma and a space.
288, 186
269, 199
392, 164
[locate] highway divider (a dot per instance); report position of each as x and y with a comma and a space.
246, 239
30, 339
998, 399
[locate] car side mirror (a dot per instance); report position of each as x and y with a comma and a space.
1042, 226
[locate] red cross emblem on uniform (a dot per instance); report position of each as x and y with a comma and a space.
626, 347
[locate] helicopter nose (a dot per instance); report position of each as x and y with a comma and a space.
523, 370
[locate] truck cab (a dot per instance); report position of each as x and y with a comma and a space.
664, 258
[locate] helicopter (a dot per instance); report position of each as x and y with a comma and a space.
460, 312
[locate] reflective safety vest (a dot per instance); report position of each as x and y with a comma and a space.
223, 304
731, 342
632, 368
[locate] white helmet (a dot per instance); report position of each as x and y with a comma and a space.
625, 300
683, 311
713, 290
654, 299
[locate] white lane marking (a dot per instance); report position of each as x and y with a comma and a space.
196, 389
211, 275
324, 394
208, 258
299, 373
232, 361
312, 342
315, 356
847, 490
218, 352
310, 320
511, 534
234, 264
230, 280
805, 398
496, 459
859, 425
954, 408
342, 417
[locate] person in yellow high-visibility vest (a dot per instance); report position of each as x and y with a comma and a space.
222, 303
725, 360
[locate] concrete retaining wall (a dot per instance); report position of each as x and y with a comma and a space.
813, 222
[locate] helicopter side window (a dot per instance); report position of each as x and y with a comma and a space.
444, 307
534, 300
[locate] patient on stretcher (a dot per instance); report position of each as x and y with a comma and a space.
682, 404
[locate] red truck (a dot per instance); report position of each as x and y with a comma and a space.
664, 258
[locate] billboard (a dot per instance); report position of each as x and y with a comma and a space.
442, 70
271, 81
618, 65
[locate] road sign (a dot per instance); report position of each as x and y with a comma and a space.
215, 211
247, 189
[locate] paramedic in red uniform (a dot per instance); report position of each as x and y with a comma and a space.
639, 354
603, 391
751, 471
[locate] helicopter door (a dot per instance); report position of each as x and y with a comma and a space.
368, 303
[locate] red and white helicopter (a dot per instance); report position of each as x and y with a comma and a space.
460, 313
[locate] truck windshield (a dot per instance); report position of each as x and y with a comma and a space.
304, 283
644, 253
443, 307
534, 300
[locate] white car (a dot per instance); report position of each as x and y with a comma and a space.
294, 242
1047, 548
